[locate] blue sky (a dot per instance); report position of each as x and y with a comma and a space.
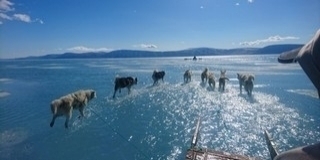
39, 27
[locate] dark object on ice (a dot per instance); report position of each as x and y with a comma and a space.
194, 58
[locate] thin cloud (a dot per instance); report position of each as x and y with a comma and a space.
6, 13
39, 20
249, 1
4, 16
276, 38
83, 49
22, 17
146, 46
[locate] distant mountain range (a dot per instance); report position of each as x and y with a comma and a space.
272, 49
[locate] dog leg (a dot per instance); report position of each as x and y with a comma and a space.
53, 119
129, 89
67, 121
114, 94
81, 111
223, 85
246, 87
115, 90
68, 117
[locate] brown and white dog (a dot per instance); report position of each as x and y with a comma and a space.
204, 75
222, 80
122, 82
157, 75
187, 76
246, 80
211, 81
65, 105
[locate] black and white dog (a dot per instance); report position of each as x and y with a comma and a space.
122, 82
157, 75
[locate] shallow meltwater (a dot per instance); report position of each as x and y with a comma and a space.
230, 121
154, 122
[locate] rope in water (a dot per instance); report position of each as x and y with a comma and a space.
121, 136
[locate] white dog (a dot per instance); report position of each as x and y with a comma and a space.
246, 80
187, 76
65, 105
